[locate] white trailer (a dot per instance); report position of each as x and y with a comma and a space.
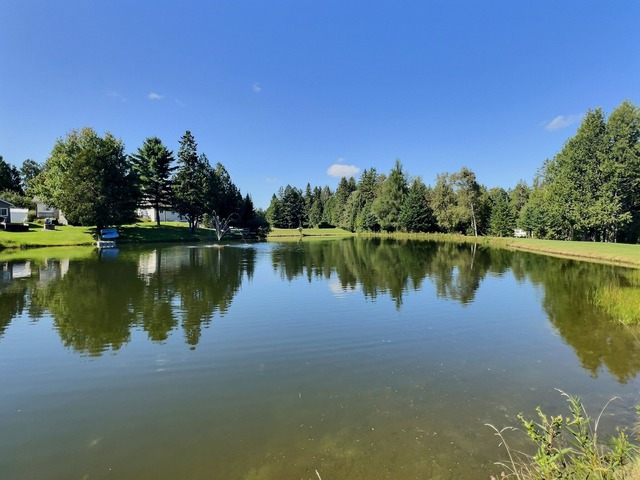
18, 215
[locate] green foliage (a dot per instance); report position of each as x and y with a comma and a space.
350, 212
287, 209
467, 192
416, 214
386, 207
569, 448
89, 178
588, 191
590, 185
518, 198
224, 197
10, 178
501, 221
18, 200
292, 207
28, 173
341, 197
152, 165
191, 183
247, 212
444, 204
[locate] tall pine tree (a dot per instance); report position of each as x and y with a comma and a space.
191, 182
153, 167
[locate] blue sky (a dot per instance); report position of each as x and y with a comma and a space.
290, 92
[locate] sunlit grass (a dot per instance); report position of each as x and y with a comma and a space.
66, 235
621, 301
614, 253
39, 237
309, 232
618, 253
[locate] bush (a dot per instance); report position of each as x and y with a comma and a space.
569, 448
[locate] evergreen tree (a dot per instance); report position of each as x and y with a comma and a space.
191, 183
350, 212
416, 214
152, 165
575, 181
224, 197
622, 172
292, 205
328, 201
501, 220
368, 188
344, 190
389, 202
10, 178
518, 198
28, 173
247, 212
274, 211
308, 205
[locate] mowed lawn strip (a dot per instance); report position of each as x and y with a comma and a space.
618, 253
66, 235
309, 232
39, 237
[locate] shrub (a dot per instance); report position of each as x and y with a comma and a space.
569, 448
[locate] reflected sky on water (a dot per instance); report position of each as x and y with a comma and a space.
359, 358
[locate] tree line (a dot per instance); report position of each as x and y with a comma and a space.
94, 182
590, 190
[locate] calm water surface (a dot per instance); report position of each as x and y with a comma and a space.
358, 359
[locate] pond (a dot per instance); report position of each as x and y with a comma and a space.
357, 358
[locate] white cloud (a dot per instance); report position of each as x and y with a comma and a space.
340, 170
257, 88
272, 180
155, 96
562, 121
338, 290
180, 103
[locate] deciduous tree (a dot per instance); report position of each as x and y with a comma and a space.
89, 178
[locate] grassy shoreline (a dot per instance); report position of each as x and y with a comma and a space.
64, 236
610, 253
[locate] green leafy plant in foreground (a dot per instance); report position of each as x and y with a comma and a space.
570, 448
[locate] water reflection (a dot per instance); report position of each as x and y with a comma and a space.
96, 303
390, 267
397, 267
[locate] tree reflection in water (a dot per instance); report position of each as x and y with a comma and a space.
96, 303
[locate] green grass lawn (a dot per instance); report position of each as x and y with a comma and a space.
65, 235
619, 253
149, 232
616, 253
278, 233
39, 237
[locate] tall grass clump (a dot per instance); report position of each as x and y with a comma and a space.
622, 302
569, 448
